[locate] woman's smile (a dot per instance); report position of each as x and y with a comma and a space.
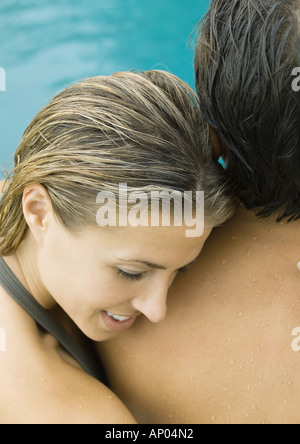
117, 323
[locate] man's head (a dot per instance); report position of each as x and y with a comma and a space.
247, 50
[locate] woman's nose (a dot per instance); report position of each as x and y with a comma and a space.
152, 303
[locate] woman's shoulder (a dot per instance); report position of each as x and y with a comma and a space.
85, 400
74, 397
39, 386
51, 391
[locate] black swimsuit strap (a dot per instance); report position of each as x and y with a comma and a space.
19, 293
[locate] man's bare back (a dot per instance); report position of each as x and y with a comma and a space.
224, 353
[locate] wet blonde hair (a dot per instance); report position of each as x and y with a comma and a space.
143, 129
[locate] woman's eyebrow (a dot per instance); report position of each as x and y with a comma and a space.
154, 266
148, 264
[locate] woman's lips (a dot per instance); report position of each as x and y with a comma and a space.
115, 325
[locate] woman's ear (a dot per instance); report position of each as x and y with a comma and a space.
37, 208
219, 147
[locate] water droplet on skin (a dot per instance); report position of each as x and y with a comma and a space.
262, 345
285, 402
294, 304
248, 387
254, 238
254, 407
252, 360
254, 279
298, 265
229, 407
240, 314
224, 261
247, 415
242, 367
231, 361
213, 418
292, 275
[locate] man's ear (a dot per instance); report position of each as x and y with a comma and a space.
219, 147
36, 209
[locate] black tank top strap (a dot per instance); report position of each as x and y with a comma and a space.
43, 318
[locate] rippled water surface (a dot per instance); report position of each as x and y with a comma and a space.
47, 44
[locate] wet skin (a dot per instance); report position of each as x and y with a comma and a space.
223, 354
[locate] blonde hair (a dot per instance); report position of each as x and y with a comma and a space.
144, 129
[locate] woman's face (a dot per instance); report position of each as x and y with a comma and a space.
104, 278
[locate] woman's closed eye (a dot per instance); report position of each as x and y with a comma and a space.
131, 276
139, 276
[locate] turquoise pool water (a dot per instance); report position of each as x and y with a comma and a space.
47, 44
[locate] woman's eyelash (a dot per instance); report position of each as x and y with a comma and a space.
139, 276
132, 277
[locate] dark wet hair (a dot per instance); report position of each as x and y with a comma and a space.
246, 52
